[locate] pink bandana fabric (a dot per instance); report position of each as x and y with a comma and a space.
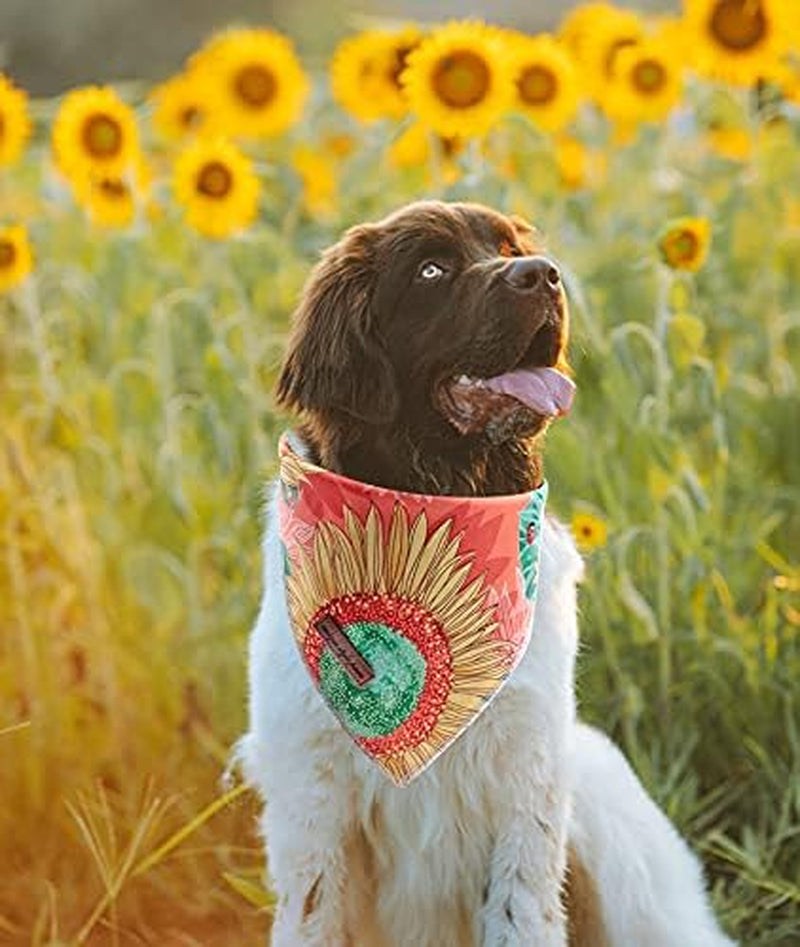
410, 611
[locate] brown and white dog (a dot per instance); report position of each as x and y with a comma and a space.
531, 829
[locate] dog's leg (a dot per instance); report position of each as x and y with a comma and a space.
523, 905
650, 886
299, 759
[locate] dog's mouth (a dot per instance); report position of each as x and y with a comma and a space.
518, 401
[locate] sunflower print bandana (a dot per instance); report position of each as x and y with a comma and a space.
410, 611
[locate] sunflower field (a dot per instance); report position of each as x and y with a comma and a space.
153, 243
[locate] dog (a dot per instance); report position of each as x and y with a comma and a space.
530, 828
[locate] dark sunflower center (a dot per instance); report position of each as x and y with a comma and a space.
8, 254
461, 79
682, 247
738, 25
613, 51
102, 136
190, 117
401, 55
537, 85
256, 86
215, 180
649, 76
113, 188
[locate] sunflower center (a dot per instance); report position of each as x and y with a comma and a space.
613, 51
102, 136
739, 25
113, 188
461, 79
190, 117
215, 180
682, 247
381, 706
8, 254
649, 76
256, 86
537, 85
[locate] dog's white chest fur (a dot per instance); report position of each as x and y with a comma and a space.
472, 853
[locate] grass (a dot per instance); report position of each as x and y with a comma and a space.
138, 429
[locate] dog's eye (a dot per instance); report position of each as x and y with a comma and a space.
430, 271
508, 249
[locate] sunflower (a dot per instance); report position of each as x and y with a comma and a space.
260, 82
647, 83
113, 201
590, 532
185, 105
740, 40
394, 590
95, 131
419, 147
459, 80
16, 257
366, 69
15, 125
217, 186
580, 24
684, 243
612, 30
320, 187
546, 82
730, 141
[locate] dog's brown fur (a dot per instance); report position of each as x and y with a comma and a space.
582, 904
371, 346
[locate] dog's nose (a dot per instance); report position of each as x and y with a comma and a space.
532, 272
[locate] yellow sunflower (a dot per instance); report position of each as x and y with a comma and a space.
260, 82
366, 70
730, 141
740, 40
590, 532
217, 187
320, 187
184, 105
684, 243
95, 130
460, 80
114, 201
579, 25
15, 124
16, 257
419, 147
547, 85
647, 83
578, 167
612, 30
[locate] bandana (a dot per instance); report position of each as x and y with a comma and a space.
410, 611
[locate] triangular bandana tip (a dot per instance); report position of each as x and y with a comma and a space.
410, 611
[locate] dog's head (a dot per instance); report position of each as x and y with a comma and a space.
428, 352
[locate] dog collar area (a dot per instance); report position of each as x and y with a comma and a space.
409, 611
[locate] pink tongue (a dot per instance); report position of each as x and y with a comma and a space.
545, 390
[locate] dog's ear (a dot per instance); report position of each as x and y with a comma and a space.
336, 360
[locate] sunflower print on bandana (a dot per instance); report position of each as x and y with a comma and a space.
409, 611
